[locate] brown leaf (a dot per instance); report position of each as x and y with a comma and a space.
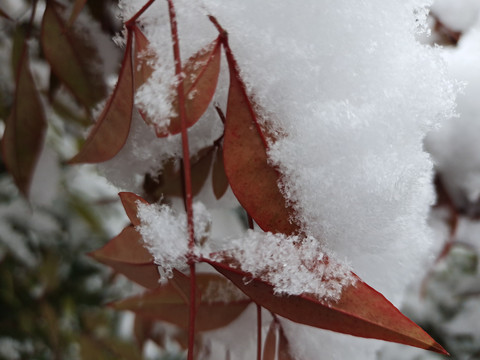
200, 81
253, 180
5, 15
129, 202
77, 9
24, 128
270, 345
219, 178
126, 255
283, 347
72, 56
143, 58
361, 311
113, 125
167, 304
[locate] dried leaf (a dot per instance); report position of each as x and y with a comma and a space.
270, 346
361, 311
126, 255
24, 128
72, 56
252, 179
167, 304
200, 81
113, 125
219, 178
77, 9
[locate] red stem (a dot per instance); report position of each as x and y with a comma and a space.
187, 177
259, 332
134, 18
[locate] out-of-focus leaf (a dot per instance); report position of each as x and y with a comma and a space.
17, 49
113, 125
200, 81
219, 304
170, 182
5, 15
253, 180
219, 178
129, 202
24, 128
270, 345
77, 9
361, 311
283, 347
126, 255
72, 57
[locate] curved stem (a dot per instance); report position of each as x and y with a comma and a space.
187, 176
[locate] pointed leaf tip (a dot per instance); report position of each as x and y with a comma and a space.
111, 130
361, 311
130, 204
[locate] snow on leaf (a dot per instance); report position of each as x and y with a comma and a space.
167, 304
72, 57
200, 75
143, 58
361, 311
252, 179
24, 128
113, 125
126, 255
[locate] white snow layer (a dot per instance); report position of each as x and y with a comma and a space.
458, 15
354, 93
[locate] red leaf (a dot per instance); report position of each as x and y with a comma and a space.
126, 255
200, 81
270, 346
253, 180
113, 125
24, 128
283, 347
129, 202
72, 56
167, 304
5, 15
77, 9
219, 178
143, 56
361, 311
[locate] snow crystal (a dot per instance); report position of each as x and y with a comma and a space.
293, 265
164, 233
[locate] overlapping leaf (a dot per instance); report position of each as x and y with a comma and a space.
253, 180
77, 9
199, 83
126, 255
24, 128
113, 125
219, 178
167, 304
361, 311
72, 57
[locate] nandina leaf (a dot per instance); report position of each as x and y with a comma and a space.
361, 311
77, 9
126, 247
113, 125
200, 81
283, 347
72, 56
126, 255
270, 345
167, 304
143, 58
129, 202
252, 179
169, 182
219, 178
24, 128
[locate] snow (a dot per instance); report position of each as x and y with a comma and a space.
458, 15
